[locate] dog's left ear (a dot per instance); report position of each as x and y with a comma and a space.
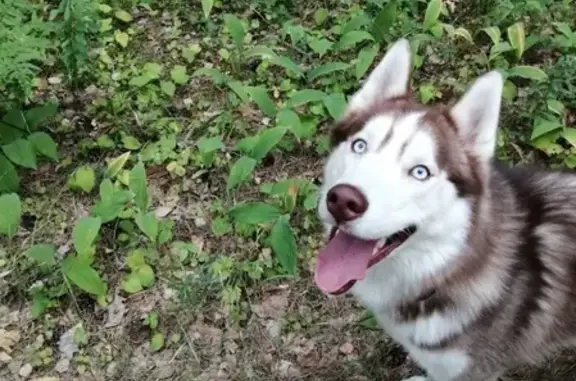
478, 112
389, 79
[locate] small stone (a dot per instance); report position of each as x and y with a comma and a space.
347, 349
25, 371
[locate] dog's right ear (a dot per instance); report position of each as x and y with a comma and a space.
389, 79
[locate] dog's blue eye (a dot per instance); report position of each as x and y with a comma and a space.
359, 146
420, 172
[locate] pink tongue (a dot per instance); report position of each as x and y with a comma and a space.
346, 258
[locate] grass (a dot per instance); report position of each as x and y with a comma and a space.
172, 233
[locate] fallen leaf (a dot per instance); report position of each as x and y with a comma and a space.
62, 365
347, 349
273, 307
116, 311
25, 371
66, 344
8, 339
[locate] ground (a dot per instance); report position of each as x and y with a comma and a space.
216, 106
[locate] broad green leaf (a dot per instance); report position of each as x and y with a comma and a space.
570, 135
565, 29
42, 253
350, 39
320, 16
9, 180
207, 7
384, 21
83, 178
239, 90
115, 165
240, 171
263, 52
82, 275
517, 38
168, 88
220, 226
214, 74
267, 140
556, 107
236, 30
153, 69
543, 126
208, 145
123, 15
148, 224
336, 105
21, 152
254, 213
365, 59
156, 342
287, 64
121, 38
10, 215
355, 23
327, 68
494, 33
178, 75
140, 80
320, 45
145, 275
130, 142
262, 99
570, 161
465, 34
44, 145
289, 119
37, 115
509, 92
427, 91
111, 205
432, 13
131, 284
284, 245
528, 72
84, 233
303, 97
139, 187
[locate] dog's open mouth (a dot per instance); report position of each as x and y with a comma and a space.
346, 258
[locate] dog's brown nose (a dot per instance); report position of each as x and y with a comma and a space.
346, 202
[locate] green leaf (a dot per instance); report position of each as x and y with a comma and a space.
145, 275
365, 59
123, 15
37, 115
115, 165
287, 64
254, 213
570, 135
156, 342
556, 107
83, 178
528, 72
236, 30
267, 140
517, 38
110, 205
240, 171
220, 226
139, 187
320, 16
214, 74
303, 97
140, 81
355, 23
130, 142
10, 215
289, 119
336, 105
178, 75
21, 152
84, 234
284, 245
432, 13
239, 90
494, 33
350, 39
427, 91
168, 88
320, 45
82, 275
121, 38
384, 21
464, 33
148, 224
44, 145
207, 7
260, 96
327, 68
42, 253
131, 284
208, 145
543, 126
9, 180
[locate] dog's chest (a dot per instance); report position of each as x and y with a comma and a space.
422, 339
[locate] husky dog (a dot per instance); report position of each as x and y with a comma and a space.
469, 265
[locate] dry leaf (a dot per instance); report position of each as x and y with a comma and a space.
8, 339
66, 344
116, 311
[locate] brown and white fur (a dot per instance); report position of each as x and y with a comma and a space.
488, 280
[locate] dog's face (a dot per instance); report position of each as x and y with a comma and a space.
396, 166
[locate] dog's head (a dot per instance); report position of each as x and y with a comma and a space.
398, 169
